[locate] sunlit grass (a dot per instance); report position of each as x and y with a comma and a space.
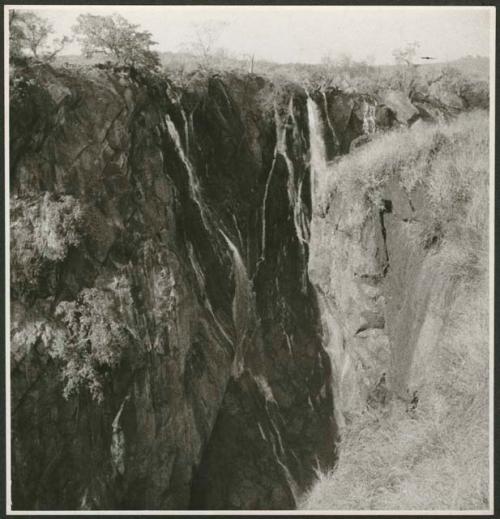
435, 458
448, 162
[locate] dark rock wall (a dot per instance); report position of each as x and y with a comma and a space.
192, 211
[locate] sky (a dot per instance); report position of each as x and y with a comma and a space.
304, 33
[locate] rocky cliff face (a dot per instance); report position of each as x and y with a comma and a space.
166, 341
168, 348
383, 291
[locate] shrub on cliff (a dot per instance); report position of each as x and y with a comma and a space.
96, 334
90, 333
42, 231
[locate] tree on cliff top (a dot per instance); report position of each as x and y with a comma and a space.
406, 76
117, 38
29, 34
406, 55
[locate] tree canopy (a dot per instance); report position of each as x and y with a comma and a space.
29, 35
117, 38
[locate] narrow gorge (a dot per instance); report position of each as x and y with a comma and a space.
196, 307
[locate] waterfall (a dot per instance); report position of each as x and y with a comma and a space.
242, 302
294, 192
319, 168
186, 132
264, 201
200, 277
333, 343
193, 182
332, 333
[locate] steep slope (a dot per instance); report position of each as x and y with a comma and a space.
399, 257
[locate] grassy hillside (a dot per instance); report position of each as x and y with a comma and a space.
450, 162
436, 455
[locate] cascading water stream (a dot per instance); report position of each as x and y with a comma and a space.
318, 163
193, 182
294, 190
242, 306
332, 333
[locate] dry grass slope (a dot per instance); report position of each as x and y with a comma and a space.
451, 163
436, 457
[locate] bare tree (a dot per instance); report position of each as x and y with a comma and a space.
407, 75
205, 39
250, 58
407, 54
345, 61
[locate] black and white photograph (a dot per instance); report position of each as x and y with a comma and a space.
249, 258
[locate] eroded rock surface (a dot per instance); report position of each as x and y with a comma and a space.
383, 291
196, 375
